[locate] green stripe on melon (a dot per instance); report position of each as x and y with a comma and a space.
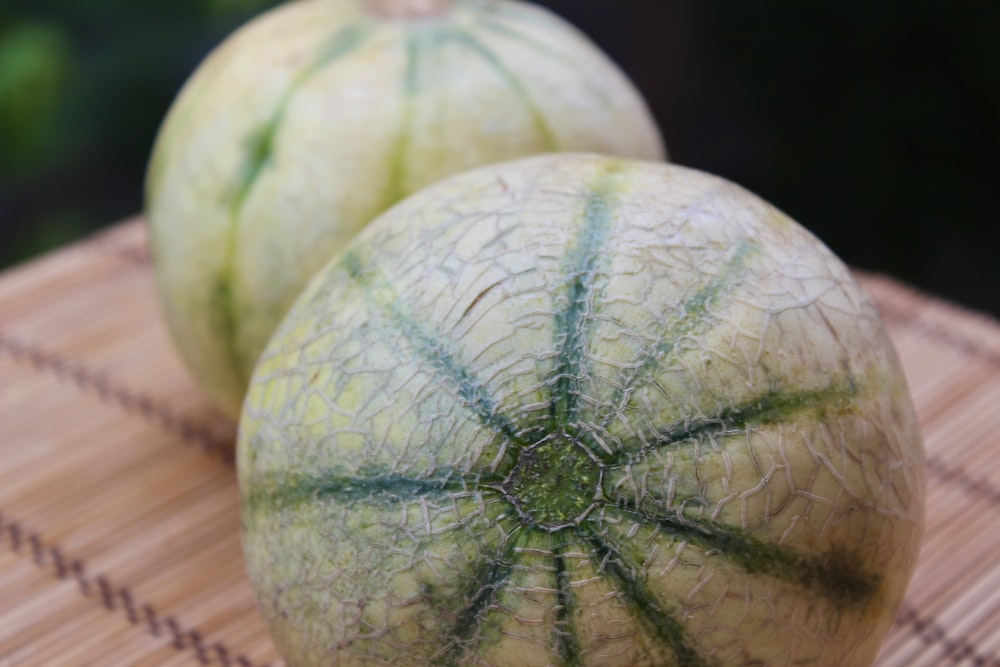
574, 307
319, 115
575, 410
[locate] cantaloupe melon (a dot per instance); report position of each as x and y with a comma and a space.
320, 114
574, 410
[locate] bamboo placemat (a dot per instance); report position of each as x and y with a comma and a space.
119, 526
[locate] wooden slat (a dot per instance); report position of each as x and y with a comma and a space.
119, 528
119, 518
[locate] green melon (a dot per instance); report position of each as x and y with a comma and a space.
320, 114
573, 410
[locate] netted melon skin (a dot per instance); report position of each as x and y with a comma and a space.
575, 410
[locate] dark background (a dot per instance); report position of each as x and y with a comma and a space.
875, 124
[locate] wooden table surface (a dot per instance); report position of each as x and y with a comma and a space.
119, 524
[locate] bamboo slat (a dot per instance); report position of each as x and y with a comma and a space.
119, 526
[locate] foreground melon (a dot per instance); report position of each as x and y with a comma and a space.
319, 115
572, 410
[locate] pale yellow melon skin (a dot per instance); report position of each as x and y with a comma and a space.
366, 109
446, 318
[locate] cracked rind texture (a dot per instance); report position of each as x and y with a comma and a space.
732, 409
319, 115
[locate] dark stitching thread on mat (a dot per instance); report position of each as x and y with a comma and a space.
931, 632
948, 474
111, 598
129, 401
938, 333
134, 254
138, 257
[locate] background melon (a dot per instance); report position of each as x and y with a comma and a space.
320, 114
573, 410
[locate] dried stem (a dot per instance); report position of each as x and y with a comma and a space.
409, 9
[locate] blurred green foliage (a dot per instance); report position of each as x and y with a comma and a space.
35, 64
83, 87
873, 124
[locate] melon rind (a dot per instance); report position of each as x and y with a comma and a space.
320, 114
574, 410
